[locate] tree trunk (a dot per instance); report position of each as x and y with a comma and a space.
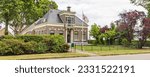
6, 27
140, 45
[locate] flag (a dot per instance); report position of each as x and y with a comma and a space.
85, 19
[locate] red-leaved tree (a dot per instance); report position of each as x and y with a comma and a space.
145, 32
132, 19
127, 23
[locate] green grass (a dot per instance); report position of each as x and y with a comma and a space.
113, 50
42, 56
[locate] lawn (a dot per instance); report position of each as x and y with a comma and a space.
43, 56
112, 50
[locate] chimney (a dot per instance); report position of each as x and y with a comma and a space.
68, 8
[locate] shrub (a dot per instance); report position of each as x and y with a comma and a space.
40, 48
3, 48
65, 48
54, 43
13, 47
91, 41
28, 38
8, 37
125, 43
29, 47
134, 44
30, 44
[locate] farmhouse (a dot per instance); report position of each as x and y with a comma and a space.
62, 22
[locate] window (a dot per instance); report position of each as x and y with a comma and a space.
39, 32
69, 20
42, 32
52, 32
76, 36
84, 36
61, 33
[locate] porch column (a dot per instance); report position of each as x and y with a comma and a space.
66, 35
72, 36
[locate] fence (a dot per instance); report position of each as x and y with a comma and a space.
99, 47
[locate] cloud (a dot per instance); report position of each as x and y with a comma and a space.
102, 12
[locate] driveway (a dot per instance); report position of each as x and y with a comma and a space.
118, 57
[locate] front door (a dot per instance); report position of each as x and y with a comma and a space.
68, 36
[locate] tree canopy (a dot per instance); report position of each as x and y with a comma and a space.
19, 14
103, 35
143, 3
134, 24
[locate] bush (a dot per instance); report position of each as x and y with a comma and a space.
40, 48
54, 43
125, 43
65, 48
91, 41
30, 44
29, 47
8, 37
134, 44
12, 47
3, 48
118, 42
27, 38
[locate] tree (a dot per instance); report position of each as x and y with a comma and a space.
95, 32
19, 14
128, 22
143, 3
145, 32
135, 24
6, 12
111, 34
104, 37
108, 33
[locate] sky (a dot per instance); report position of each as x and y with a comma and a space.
101, 12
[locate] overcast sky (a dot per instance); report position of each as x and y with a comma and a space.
102, 12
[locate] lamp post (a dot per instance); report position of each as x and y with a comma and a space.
109, 43
104, 40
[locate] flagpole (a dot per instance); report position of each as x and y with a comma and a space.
82, 33
82, 38
84, 20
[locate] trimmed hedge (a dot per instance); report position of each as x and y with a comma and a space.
30, 44
124, 42
11, 47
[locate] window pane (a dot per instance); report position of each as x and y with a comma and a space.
76, 36
52, 32
61, 33
84, 36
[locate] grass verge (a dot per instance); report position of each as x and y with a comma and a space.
42, 56
113, 50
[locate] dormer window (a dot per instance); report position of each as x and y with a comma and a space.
70, 20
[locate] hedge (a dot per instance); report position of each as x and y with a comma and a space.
124, 42
31, 44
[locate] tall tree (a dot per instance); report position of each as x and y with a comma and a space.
135, 24
22, 13
95, 32
143, 3
6, 12
108, 33
111, 34
128, 22
104, 36
144, 33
